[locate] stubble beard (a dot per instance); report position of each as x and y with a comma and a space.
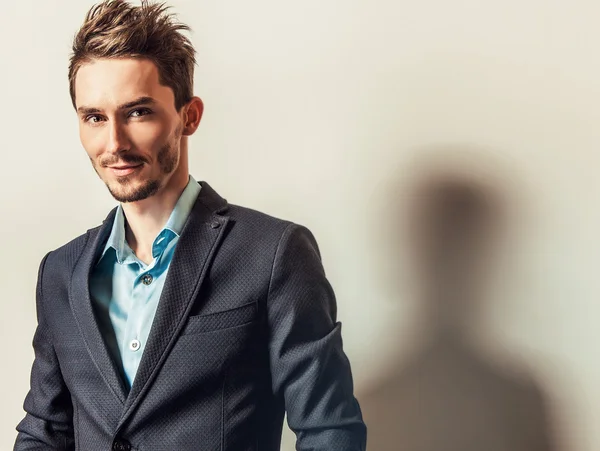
167, 159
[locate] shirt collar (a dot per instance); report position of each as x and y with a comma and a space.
172, 228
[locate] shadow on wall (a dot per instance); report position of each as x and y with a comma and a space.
448, 394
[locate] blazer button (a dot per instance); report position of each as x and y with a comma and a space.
121, 445
215, 225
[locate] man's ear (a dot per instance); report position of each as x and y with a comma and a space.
192, 115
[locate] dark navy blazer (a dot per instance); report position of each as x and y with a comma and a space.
245, 330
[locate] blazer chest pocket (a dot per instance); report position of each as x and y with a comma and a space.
227, 319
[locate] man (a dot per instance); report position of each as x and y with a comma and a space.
182, 322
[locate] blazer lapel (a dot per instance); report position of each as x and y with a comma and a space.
81, 304
195, 248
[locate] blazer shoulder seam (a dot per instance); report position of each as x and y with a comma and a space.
284, 234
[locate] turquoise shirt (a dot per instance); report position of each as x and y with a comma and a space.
125, 291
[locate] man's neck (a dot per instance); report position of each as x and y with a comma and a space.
145, 219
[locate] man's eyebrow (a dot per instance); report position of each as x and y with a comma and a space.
144, 100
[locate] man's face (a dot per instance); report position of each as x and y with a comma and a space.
128, 126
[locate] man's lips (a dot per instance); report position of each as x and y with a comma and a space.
127, 166
124, 170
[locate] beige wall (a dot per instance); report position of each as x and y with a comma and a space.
328, 112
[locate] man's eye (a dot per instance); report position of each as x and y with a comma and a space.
140, 112
93, 118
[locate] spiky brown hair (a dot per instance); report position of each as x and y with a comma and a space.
116, 29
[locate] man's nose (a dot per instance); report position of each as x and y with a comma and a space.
117, 138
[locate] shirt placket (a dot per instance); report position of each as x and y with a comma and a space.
134, 340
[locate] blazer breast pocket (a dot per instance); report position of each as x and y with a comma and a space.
227, 319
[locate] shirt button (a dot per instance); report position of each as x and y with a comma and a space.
147, 279
134, 345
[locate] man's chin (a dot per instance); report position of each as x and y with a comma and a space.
131, 193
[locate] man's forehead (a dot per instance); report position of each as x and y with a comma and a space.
107, 83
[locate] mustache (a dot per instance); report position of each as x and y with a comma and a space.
123, 159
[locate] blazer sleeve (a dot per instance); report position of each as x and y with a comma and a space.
48, 423
308, 365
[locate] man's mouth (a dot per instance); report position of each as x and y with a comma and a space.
123, 170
